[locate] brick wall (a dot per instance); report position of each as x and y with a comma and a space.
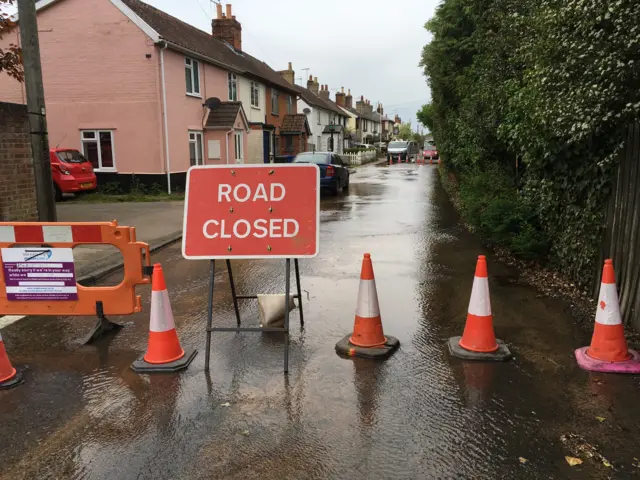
17, 184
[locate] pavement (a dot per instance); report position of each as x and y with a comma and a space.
82, 413
157, 223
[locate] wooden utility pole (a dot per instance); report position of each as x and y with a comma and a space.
36, 108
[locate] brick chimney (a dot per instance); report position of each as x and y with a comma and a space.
348, 100
226, 28
289, 75
396, 119
312, 84
368, 107
324, 93
340, 97
380, 109
360, 104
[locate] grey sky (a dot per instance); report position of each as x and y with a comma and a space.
370, 46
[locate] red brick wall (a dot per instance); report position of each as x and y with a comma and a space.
17, 184
276, 120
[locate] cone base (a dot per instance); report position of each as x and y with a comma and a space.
345, 348
500, 355
591, 364
140, 366
13, 381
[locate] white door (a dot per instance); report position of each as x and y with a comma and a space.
238, 147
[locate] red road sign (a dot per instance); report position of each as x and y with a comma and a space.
251, 211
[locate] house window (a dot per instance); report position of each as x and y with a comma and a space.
319, 145
238, 147
97, 146
192, 74
318, 115
233, 87
289, 105
364, 125
274, 102
288, 144
255, 94
195, 148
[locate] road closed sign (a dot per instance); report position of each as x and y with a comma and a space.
251, 211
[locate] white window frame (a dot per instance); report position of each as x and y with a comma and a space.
96, 139
289, 105
255, 94
274, 96
194, 67
238, 146
232, 86
193, 138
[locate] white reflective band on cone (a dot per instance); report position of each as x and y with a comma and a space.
161, 314
610, 314
480, 303
367, 300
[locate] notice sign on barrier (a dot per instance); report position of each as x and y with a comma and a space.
39, 274
251, 211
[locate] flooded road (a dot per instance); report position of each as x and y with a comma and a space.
82, 413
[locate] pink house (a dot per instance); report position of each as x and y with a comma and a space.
143, 94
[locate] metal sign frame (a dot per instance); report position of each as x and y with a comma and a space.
236, 297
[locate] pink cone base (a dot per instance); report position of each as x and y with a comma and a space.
628, 366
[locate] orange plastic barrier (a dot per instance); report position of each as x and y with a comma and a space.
118, 300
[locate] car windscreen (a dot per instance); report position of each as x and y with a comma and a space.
71, 156
397, 145
317, 158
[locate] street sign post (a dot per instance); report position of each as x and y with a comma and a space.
252, 211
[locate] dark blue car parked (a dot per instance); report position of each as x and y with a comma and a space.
334, 174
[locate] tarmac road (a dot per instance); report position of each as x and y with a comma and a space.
83, 414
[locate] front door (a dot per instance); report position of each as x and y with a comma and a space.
238, 147
266, 145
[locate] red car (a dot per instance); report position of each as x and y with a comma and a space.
72, 173
431, 152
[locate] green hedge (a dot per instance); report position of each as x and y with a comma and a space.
541, 91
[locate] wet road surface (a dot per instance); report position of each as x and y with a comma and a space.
82, 413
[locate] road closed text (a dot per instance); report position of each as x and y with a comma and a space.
260, 194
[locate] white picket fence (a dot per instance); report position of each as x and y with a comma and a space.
359, 158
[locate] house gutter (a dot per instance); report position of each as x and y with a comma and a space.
166, 126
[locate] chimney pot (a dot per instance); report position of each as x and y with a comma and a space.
341, 89
226, 28
315, 79
290, 67
311, 78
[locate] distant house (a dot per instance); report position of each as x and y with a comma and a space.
325, 119
130, 88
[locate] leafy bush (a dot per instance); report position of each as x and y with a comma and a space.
492, 206
550, 86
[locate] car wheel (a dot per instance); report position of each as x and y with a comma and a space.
57, 193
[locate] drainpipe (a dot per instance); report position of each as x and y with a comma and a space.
226, 137
166, 127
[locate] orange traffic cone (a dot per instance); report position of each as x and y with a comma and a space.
9, 376
478, 340
608, 351
367, 339
164, 353
367, 330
